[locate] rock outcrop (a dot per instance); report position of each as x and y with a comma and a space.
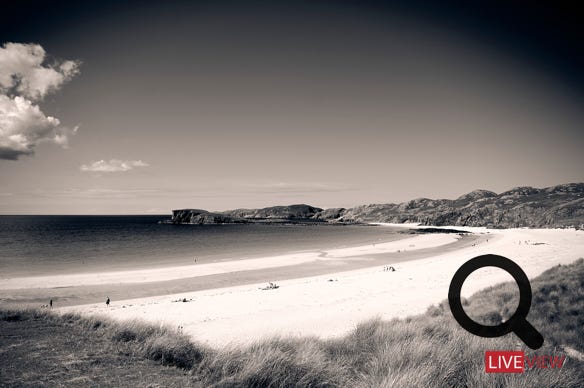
291, 213
198, 216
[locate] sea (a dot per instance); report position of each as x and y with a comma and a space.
47, 245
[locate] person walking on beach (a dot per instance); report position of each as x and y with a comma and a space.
107, 301
51, 303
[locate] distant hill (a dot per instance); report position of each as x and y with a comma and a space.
291, 213
551, 207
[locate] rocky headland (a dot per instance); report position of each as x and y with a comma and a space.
551, 207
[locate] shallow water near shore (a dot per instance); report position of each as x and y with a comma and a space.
49, 245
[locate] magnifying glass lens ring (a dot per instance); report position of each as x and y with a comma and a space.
489, 261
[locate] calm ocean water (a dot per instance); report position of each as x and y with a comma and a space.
36, 245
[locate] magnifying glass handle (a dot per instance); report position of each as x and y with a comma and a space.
529, 335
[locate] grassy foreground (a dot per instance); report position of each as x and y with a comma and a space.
39, 348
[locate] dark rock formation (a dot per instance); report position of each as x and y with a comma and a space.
197, 216
292, 213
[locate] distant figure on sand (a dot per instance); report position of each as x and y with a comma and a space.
51, 303
107, 301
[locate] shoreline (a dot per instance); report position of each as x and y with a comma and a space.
323, 292
332, 304
73, 290
205, 269
337, 236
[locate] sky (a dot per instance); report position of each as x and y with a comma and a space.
145, 107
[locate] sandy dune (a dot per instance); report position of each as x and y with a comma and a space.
331, 305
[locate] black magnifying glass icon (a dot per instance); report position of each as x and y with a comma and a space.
517, 324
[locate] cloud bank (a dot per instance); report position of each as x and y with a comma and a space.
24, 80
113, 165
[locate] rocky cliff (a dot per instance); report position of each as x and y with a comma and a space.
551, 207
198, 216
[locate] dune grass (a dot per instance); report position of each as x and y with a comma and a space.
40, 348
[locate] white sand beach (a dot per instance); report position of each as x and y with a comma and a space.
332, 304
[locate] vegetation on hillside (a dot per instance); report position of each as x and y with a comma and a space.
552, 207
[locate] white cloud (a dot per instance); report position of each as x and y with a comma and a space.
113, 165
23, 126
25, 78
23, 72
